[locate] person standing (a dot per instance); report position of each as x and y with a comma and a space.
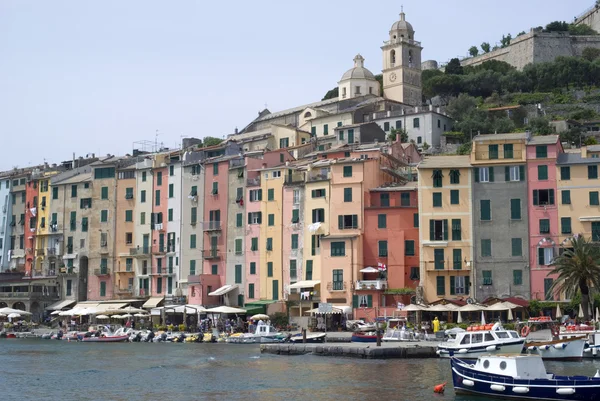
436, 325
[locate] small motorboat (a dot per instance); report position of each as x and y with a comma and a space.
311, 338
481, 340
543, 339
520, 377
369, 337
264, 334
396, 331
592, 345
105, 335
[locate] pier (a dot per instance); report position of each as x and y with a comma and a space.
402, 350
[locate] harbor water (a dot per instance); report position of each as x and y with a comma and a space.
36, 369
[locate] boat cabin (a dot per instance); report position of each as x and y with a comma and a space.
525, 367
484, 336
264, 329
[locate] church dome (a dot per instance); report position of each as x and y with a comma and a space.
359, 71
403, 26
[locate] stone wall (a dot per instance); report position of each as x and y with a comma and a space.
590, 17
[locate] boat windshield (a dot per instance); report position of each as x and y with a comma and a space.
466, 339
489, 337
502, 334
477, 338
514, 334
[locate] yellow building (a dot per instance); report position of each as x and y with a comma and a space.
578, 193
445, 237
47, 240
271, 234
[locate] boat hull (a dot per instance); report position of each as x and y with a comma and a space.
111, 339
254, 339
515, 347
361, 338
567, 350
310, 338
471, 381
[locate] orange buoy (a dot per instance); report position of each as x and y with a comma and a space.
440, 388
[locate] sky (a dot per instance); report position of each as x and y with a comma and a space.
94, 77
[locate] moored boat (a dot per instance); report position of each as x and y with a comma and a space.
105, 335
543, 339
265, 333
370, 337
592, 337
520, 377
482, 340
310, 338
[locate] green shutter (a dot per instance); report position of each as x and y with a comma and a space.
476, 173
515, 209
441, 285
517, 246
594, 201
355, 301
565, 173
452, 283
542, 172
238, 274
457, 259
347, 171
491, 171
347, 194
294, 241
309, 269
416, 220
340, 222
269, 269
454, 196
445, 229
486, 212
252, 269
369, 301
431, 230
271, 219
521, 173
551, 197
239, 220
507, 173
381, 221
456, 230
271, 194
541, 260
565, 223
517, 277
536, 198
437, 199
566, 196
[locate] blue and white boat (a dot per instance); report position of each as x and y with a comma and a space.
482, 340
521, 377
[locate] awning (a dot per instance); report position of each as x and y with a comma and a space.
223, 290
369, 269
152, 302
225, 310
70, 256
61, 304
305, 284
86, 305
335, 310
101, 308
261, 302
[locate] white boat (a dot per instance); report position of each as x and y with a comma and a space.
265, 333
592, 344
520, 377
543, 339
396, 331
482, 340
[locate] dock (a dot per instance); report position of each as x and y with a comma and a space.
401, 350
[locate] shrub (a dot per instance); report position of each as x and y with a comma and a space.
509, 326
182, 327
530, 98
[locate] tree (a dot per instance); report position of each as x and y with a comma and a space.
581, 29
573, 136
505, 41
578, 269
473, 51
590, 53
521, 33
485, 46
454, 67
557, 26
590, 140
445, 86
211, 141
426, 77
540, 126
464, 149
332, 93
392, 136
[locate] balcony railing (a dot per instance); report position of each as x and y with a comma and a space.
211, 254
124, 291
211, 225
371, 285
299, 297
159, 249
318, 176
500, 155
393, 203
294, 179
253, 182
140, 251
51, 252
69, 249
39, 252
337, 286
447, 265
103, 271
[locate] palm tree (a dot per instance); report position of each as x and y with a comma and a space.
578, 269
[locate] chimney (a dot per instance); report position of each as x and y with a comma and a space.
264, 165
236, 130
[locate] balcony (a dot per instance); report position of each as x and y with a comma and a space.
371, 285
211, 254
103, 271
156, 226
253, 182
318, 176
170, 248
158, 249
447, 265
43, 273
69, 250
163, 271
51, 252
66, 271
294, 179
333, 286
211, 226
127, 269
124, 291
393, 203
40, 252
139, 251
496, 157
236, 163
103, 248
310, 298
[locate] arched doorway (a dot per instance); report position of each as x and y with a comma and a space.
3, 305
82, 288
37, 312
19, 306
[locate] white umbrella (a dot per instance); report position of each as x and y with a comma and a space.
56, 312
6, 311
13, 315
125, 316
580, 314
439, 308
225, 309
116, 317
510, 315
414, 308
102, 317
558, 313
472, 308
459, 319
260, 316
482, 318
369, 270
140, 315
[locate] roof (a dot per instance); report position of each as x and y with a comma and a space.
445, 162
359, 71
543, 140
575, 158
501, 137
593, 148
409, 186
402, 24
75, 179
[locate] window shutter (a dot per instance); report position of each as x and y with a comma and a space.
355, 301
259, 217
445, 230
369, 301
452, 285
431, 229
551, 197
535, 197
467, 284
541, 261
355, 221
260, 194
506, 173
521, 173
340, 222
476, 173
491, 170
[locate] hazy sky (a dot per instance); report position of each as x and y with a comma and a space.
96, 76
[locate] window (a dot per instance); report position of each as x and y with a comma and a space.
414, 273
517, 277
351, 136
347, 194
103, 216
254, 244
171, 191
565, 173
338, 249
456, 230
348, 221
271, 220
143, 218
383, 248
313, 130
548, 289
484, 174
409, 248
516, 246
542, 172
104, 193
269, 244
381, 221
73, 221
565, 225
128, 238
55, 193
508, 151
252, 269
457, 259
544, 226
384, 200
419, 139
595, 231
545, 256
454, 177
194, 191
157, 197
192, 267
440, 284
295, 216
593, 172
284, 143
103, 288
438, 230
170, 215
214, 269
143, 196
487, 277
128, 215
294, 241
296, 196
215, 168
416, 122
269, 269
73, 191
386, 126
437, 199
250, 290
437, 178
215, 188
255, 195
276, 174
238, 246
493, 151
338, 280
143, 176
515, 209
318, 193
315, 243
318, 215
543, 197
192, 241
239, 219
84, 224
309, 269
271, 194
486, 248
565, 195
486, 210
454, 197
416, 220
594, 201
255, 218
239, 196
514, 173
347, 171
438, 258
404, 199
541, 152
459, 285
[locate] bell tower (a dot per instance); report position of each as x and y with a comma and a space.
402, 64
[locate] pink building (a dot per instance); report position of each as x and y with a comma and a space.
544, 229
159, 229
253, 218
199, 286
